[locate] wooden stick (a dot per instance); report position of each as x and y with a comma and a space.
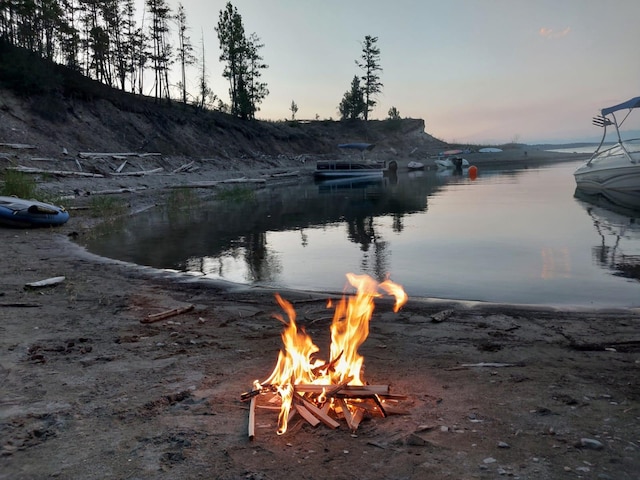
323, 417
119, 169
347, 413
252, 419
357, 418
168, 314
306, 414
347, 390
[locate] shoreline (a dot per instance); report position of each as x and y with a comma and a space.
90, 390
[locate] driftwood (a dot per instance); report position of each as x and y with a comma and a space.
23, 169
118, 190
19, 304
45, 283
119, 169
184, 167
168, 314
18, 146
105, 154
482, 365
215, 183
138, 173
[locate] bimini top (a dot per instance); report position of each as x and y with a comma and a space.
633, 103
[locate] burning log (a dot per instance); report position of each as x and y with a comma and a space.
328, 391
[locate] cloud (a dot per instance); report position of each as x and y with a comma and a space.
550, 33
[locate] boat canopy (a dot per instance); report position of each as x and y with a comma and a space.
357, 146
633, 103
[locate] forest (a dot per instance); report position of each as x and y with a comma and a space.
104, 40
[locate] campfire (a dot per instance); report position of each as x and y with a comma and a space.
327, 391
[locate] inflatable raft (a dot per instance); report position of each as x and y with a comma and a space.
17, 212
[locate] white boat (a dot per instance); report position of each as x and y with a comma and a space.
617, 166
452, 163
413, 165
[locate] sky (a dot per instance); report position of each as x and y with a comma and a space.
477, 71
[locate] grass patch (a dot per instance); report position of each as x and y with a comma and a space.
18, 184
107, 207
236, 194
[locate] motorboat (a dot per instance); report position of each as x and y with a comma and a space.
18, 212
354, 168
612, 166
456, 163
413, 165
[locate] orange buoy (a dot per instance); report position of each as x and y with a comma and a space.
473, 172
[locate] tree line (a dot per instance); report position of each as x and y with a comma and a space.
103, 40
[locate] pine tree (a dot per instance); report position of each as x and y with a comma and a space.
353, 105
370, 63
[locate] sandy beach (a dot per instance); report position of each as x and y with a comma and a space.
91, 391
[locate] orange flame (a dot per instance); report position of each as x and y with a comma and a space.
349, 329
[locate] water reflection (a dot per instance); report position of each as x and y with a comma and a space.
223, 238
616, 219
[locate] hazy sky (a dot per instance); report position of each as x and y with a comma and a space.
477, 71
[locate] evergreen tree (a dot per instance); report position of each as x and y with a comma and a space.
370, 63
243, 64
161, 48
185, 49
232, 44
353, 104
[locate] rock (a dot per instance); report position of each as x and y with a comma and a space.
503, 445
489, 460
590, 443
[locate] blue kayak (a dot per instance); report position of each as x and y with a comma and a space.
17, 212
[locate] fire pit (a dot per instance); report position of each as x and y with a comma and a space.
327, 391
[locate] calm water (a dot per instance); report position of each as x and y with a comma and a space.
510, 236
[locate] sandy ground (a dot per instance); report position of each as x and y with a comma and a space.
88, 391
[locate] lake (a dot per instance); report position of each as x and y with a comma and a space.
515, 236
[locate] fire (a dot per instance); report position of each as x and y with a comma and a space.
296, 365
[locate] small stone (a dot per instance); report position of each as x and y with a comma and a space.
444, 428
489, 460
590, 443
503, 445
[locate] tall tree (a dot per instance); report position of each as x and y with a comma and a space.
370, 63
161, 48
232, 44
185, 49
353, 105
256, 89
243, 64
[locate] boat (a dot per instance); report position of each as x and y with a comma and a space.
457, 163
354, 168
413, 165
18, 212
617, 166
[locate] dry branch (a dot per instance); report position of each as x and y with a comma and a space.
168, 314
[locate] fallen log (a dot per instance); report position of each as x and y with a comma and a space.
139, 173
184, 167
252, 419
23, 169
105, 154
18, 146
20, 304
156, 317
